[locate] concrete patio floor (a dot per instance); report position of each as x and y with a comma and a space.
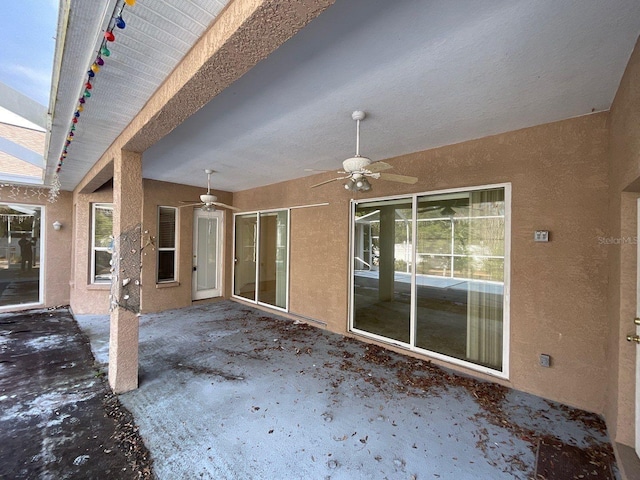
229, 392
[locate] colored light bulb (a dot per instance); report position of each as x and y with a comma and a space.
74, 120
99, 60
80, 108
91, 73
77, 114
88, 86
131, 3
87, 93
95, 68
120, 22
81, 100
104, 51
109, 36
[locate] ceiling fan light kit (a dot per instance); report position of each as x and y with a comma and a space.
208, 202
358, 168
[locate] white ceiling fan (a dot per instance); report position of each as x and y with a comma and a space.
357, 168
209, 202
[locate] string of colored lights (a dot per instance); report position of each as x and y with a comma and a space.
103, 52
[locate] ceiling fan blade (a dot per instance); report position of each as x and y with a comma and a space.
327, 181
224, 205
190, 201
378, 166
392, 177
315, 170
190, 204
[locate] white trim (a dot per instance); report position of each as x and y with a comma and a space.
219, 216
307, 206
506, 331
92, 246
41, 255
258, 214
413, 320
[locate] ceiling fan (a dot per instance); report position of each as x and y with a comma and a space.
209, 202
357, 168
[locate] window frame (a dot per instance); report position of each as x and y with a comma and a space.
413, 198
173, 249
94, 248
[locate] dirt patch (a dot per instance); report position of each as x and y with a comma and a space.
559, 461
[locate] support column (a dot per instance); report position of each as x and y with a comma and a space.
386, 275
125, 287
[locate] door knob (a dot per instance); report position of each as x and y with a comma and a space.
633, 338
636, 321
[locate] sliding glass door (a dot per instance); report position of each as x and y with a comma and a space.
446, 295
262, 257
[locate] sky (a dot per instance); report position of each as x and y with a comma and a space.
27, 44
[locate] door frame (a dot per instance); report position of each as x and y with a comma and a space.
637, 372
214, 292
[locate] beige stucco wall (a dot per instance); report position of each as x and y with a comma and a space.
158, 297
88, 298
559, 183
57, 249
58, 253
624, 156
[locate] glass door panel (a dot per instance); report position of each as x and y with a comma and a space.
207, 251
460, 266
382, 278
20, 242
273, 259
456, 305
245, 259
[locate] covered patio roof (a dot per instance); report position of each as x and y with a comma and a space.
427, 73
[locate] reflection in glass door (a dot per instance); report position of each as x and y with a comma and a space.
262, 257
382, 302
273, 258
245, 256
20, 243
429, 271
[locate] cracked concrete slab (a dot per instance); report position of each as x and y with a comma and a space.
228, 391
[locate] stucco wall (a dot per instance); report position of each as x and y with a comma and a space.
158, 297
559, 183
58, 251
86, 297
624, 126
57, 248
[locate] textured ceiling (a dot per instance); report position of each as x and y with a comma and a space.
429, 73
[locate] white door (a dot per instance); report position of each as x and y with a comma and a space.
207, 254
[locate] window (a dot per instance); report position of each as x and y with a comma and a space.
167, 244
101, 242
429, 273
